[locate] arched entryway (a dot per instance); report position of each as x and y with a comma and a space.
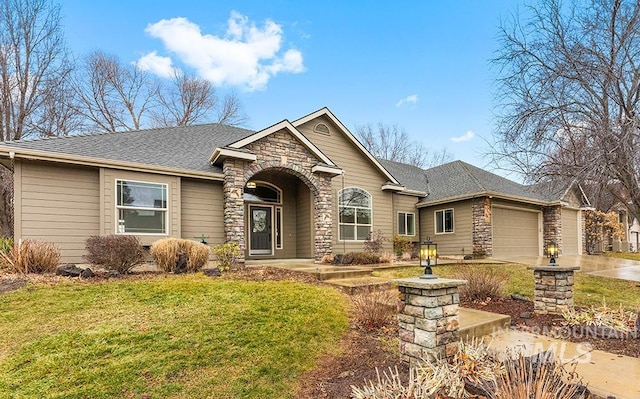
278, 208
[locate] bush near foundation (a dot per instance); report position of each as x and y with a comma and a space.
29, 256
177, 255
114, 252
227, 255
356, 258
402, 246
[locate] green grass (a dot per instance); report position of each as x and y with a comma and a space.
589, 290
165, 337
623, 255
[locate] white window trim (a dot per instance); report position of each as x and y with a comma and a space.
406, 224
435, 221
118, 207
354, 224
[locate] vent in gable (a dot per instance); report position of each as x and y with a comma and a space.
322, 128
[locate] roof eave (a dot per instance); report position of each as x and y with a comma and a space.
488, 194
331, 170
221, 153
37, 155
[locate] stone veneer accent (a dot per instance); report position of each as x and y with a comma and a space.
280, 151
428, 318
482, 227
553, 290
552, 226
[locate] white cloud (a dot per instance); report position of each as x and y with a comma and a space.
161, 66
247, 56
465, 137
412, 99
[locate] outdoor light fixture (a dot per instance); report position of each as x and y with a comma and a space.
251, 184
552, 252
428, 257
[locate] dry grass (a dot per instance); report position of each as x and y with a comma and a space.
167, 253
30, 256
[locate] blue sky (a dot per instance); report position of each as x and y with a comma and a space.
423, 65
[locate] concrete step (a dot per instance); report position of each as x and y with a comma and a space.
478, 323
358, 285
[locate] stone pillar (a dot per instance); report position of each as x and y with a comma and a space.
552, 226
323, 218
233, 188
428, 318
482, 228
553, 291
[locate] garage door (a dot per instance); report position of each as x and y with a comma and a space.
569, 232
515, 232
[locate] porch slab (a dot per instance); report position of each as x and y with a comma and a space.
478, 323
358, 285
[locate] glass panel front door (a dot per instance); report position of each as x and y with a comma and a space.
261, 232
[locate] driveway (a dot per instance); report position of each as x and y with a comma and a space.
591, 264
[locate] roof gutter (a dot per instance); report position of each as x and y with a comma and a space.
488, 194
36, 155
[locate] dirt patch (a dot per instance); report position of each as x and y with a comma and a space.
10, 283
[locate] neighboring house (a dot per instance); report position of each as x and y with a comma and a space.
301, 189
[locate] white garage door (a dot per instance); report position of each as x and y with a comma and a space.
569, 232
515, 232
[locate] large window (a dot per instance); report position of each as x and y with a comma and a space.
444, 221
141, 207
406, 224
355, 214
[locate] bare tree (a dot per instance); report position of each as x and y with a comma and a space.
188, 100
33, 68
33, 63
392, 143
569, 88
114, 96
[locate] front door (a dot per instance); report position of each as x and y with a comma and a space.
260, 234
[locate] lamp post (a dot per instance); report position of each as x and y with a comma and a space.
552, 252
428, 257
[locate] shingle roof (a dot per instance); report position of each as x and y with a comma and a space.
552, 190
460, 179
412, 177
187, 148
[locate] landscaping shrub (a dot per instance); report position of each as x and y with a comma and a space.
356, 258
482, 283
477, 369
374, 242
227, 255
177, 255
29, 256
603, 321
402, 245
374, 308
114, 252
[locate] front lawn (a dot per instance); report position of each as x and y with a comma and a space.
165, 337
623, 255
588, 290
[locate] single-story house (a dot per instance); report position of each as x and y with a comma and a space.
297, 189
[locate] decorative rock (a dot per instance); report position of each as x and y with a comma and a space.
68, 270
525, 315
215, 272
87, 273
518, 297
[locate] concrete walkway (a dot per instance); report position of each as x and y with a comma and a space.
607, 375
596, 265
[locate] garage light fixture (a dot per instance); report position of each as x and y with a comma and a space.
552, 252
428, 256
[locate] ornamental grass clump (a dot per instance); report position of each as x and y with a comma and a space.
603, 321
177, 255
29, 256
119, 253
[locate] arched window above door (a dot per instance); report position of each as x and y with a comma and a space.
262, 192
